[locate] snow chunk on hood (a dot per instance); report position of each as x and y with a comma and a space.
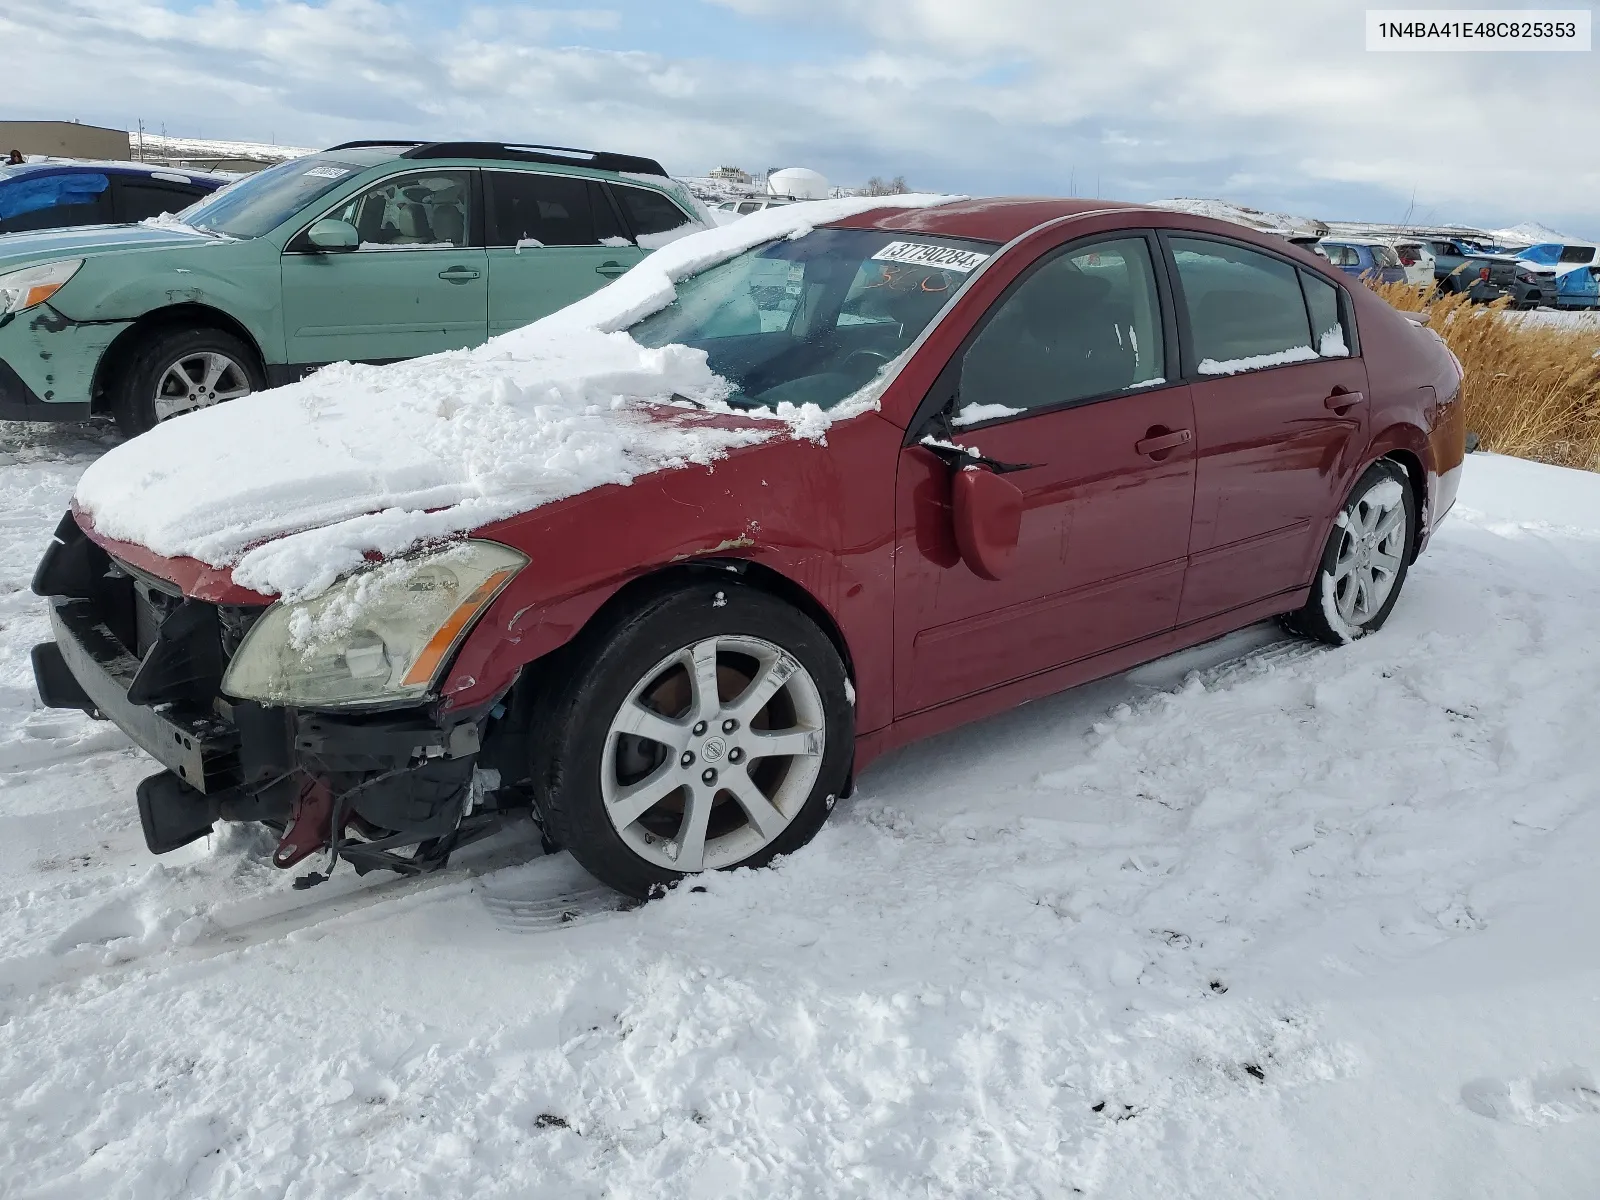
292, 488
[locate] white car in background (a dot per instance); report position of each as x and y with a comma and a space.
1416, 258
731, 210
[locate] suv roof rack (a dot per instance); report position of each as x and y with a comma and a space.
601, 160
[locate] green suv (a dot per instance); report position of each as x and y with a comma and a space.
368, 251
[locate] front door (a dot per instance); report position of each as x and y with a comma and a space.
552, 239
1280, 420
1065, 377
418, 283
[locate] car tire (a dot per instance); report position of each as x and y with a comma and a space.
1364, 563
640, 812
189, 369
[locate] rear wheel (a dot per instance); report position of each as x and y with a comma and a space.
1365, 560
180, 370
711, 728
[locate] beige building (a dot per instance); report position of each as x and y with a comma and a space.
63, 139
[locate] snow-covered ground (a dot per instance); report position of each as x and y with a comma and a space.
1261, 919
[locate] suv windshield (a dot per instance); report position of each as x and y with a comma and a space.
811, 320
264, 201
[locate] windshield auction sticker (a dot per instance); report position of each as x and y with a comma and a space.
1478, 29
924, 254
328, 172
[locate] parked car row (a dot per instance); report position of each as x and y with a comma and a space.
53, 195
367, 251
1549, 275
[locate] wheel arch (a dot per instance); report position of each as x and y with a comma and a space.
190, 315
538, 680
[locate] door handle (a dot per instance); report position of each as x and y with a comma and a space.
1341, 400
458, 274
1156, 442
611, 269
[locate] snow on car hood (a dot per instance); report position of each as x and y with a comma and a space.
292, 488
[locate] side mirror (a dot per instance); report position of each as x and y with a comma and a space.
987, 510
333, 235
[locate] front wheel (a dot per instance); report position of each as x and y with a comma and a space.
710, 728
1365, 559
180, 370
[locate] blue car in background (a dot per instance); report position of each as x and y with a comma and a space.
1577, 274
1372, 261
53, 195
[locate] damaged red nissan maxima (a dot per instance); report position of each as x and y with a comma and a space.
670, 567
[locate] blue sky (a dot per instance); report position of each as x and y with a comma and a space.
1277, 106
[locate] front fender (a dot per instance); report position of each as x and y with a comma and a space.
819, 517
242, 280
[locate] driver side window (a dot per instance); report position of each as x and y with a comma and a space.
1085, 324
414, 212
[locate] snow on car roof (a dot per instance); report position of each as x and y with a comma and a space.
292, 488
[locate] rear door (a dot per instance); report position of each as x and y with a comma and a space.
418, 283
1067, 374
1280, 418
552, 239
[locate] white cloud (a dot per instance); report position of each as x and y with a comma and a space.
1278, 101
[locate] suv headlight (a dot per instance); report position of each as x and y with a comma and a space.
21, 290
379, 636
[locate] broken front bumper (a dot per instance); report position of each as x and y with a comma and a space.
131, 649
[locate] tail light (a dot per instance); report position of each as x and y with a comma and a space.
1407, 260
1483, 274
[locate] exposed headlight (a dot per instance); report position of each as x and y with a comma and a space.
21, 290
379, 636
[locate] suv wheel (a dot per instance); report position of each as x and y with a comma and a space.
1365, 560
180, 370
710, 728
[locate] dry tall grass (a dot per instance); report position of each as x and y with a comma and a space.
1531, 390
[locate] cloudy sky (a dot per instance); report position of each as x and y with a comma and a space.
1272, 104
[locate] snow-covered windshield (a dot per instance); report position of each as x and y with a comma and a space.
264, 201
810, 320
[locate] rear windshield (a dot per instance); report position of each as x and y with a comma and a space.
262, 202
1384, 257
1577, 254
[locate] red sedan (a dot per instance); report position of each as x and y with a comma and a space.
1067, 437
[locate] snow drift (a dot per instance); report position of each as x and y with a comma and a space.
292, 487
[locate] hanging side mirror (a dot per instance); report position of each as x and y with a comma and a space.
987, 510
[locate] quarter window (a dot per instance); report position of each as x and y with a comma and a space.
655, 219
1245, 308
526, 209
412, 212
1087, 323
1322, 302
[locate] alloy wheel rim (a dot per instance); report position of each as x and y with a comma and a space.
713, 754
199, 380
1370, 555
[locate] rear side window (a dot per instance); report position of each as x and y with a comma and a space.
1577, 254
525, 209
136, 200
1245, 309
655, 219
54, 202
1085, 324
1322, 302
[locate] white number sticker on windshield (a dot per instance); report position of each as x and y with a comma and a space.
922, 254
328, 172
